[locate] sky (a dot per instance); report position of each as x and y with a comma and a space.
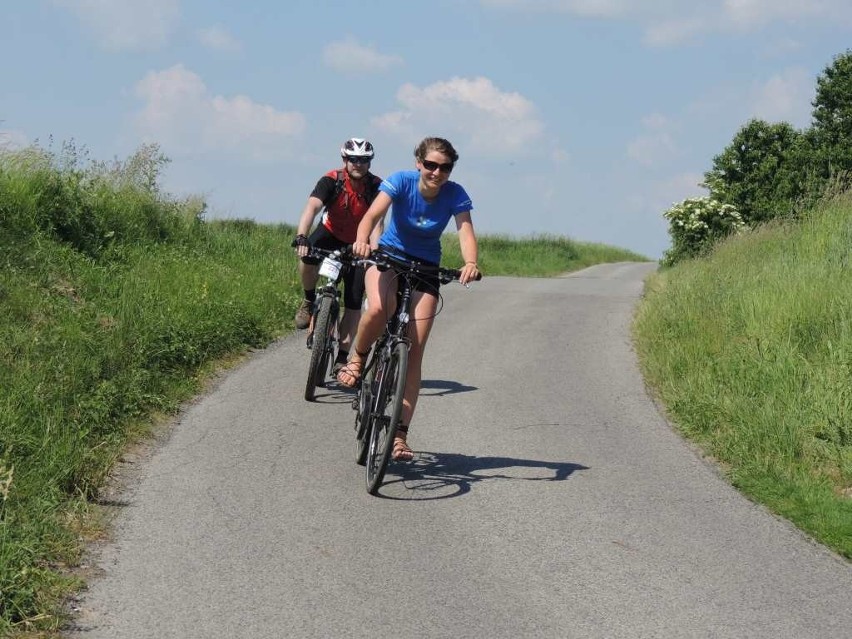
578, 118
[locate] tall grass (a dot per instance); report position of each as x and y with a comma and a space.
113, 300
751, 351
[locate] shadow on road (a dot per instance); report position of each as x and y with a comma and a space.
445, 475
443, 387
335, 393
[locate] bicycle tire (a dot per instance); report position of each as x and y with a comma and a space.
364, 407
322, 326
387, 409
327, 359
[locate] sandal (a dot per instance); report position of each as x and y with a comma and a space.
401, 450
350, 373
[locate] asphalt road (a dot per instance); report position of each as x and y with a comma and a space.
549, 498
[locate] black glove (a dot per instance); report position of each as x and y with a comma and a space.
300, 240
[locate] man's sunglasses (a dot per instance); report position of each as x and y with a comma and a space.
429, 165
357, 160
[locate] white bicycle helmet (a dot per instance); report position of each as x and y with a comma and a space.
356, 148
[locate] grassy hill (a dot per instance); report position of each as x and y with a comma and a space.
750, 351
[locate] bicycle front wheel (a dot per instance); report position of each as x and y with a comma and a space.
363, 417
320, 357
387, 409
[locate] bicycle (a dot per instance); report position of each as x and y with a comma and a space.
322, 331
378, 399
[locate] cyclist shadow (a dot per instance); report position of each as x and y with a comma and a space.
336, 393
444, 475
443, 387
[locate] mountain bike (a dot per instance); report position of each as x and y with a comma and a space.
322, 331
378, 400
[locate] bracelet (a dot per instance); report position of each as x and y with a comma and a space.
474, 263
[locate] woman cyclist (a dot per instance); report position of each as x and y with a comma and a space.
422, 202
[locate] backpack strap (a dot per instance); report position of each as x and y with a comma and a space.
371, 188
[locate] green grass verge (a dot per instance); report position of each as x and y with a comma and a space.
750, 350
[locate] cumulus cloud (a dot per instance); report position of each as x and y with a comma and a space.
180, 113
669, 22
218, 39
786, 97
349, 56
588, 8
489, 120
127, 24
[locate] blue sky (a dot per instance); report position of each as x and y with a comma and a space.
583, 118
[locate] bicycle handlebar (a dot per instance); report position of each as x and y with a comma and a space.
384, 261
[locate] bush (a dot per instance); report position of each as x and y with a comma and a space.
696, 224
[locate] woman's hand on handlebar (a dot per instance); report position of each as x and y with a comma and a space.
469, 273
361, 249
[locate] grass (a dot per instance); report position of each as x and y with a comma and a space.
117, 301
536, 256
750, 350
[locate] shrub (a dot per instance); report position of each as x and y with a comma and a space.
696, 224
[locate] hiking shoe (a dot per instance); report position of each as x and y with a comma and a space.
303, 315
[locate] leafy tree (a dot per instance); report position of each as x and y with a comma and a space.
831, 131
759, 172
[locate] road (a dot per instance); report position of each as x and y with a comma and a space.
548, 498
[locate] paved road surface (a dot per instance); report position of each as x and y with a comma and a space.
549, 499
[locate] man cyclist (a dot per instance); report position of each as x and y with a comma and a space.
344, 195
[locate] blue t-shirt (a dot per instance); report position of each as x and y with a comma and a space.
415, 225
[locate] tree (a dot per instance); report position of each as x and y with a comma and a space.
831, 130
759, 172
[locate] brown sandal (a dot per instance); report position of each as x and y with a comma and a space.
350, 373
401, 450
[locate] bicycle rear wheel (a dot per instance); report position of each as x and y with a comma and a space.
320, 356
387, 408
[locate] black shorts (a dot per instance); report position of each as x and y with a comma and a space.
424, 282
353, 278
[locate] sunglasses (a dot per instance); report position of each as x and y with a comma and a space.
356, 160
444, 167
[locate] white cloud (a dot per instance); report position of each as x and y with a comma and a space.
587, 8
488, 120
656, 145
181, 114
749, 14
349, 56
670, 22
218, 39
127, 24
786, 96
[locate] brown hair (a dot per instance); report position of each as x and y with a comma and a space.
435, 144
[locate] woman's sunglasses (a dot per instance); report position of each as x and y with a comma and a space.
444, 167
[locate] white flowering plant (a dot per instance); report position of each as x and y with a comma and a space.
696, 224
